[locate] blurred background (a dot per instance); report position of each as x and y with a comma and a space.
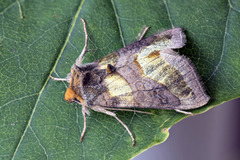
214, 135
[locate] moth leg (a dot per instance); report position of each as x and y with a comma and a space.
129, 110
143, 33
20, 9
84, 112
80, 58
184, 112
100, 109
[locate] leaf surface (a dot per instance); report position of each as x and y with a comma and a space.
37, 123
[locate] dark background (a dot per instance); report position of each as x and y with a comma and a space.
214, 135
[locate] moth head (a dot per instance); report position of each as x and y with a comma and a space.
71, 96
72, 93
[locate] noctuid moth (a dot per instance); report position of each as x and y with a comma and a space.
145, 74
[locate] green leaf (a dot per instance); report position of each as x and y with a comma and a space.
37, 123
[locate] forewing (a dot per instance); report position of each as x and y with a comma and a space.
149, 74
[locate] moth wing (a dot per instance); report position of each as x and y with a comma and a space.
122, 95
178, 75
179, 86
149, 74
166, 80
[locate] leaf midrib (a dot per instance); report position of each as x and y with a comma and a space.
41, 91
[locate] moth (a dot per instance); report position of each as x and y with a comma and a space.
145, 74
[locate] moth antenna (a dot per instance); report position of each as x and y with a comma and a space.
59, 79
143, 33
80, 58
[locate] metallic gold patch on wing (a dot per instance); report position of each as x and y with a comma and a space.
118, 86
154, 67
159, 44
109, 59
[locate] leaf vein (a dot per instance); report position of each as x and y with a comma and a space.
168, 13
45, 152
41, 91
18, 99
223, 45
7, 8
118, 23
